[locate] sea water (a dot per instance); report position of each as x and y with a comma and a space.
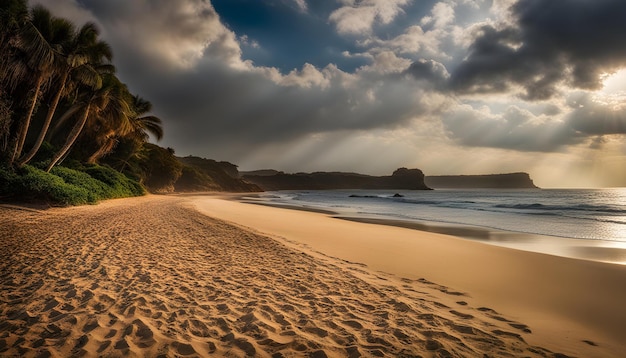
590, 222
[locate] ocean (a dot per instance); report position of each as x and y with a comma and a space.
578, 223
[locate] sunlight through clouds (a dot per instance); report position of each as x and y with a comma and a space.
507, 79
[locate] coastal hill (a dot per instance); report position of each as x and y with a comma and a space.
200, 174
403, 178
490, 181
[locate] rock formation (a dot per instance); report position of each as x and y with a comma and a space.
403, 178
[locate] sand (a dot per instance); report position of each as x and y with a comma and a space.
157, 276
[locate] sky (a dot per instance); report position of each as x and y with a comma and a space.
447, 86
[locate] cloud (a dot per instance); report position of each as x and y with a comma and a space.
69, 9
432, 73
593, 117
560, 43
308, 77
224, 112
412, 41
302, 5
442, 15
433, 36
515, 129
246, 41
385, 62
359, 17
172, 34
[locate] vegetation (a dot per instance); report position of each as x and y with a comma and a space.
61, 102
201, 174
64, 186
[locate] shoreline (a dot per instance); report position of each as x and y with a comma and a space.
606, 251
562, 299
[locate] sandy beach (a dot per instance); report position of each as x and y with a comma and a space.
190, 276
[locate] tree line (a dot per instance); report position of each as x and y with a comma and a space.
60, 99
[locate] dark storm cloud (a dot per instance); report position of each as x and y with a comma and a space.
570, 42
430, 72
241, 110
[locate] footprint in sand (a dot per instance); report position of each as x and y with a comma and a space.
103, 346
183, 349
91, 324
461, 314
501, 333
144, 335
245, 346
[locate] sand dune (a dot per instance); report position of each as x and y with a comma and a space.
154, 277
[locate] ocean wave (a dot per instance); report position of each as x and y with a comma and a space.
580, 207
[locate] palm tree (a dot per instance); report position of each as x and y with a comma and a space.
40, 42
106, 104
144, 125
13, 15
141, 126
80, 54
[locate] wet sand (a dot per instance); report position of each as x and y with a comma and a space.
156, 276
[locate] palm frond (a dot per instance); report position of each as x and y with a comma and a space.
152, 125
40, 55
87, 76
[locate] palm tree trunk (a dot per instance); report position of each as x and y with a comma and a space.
24, 128
96, 155
71, 138
109, 143
42, 134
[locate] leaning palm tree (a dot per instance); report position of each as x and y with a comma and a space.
107, 103
80, 54
39, 43
129, 148
105, 132
13, 16
141, 127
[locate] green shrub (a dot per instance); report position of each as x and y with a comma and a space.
97, 190
64, 186
7, 180
36, 184
119, 185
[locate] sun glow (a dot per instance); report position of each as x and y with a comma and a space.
614, 83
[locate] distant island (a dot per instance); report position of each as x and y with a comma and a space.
490, 181
402, 178
407, 179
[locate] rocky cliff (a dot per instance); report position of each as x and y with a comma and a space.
491, 181
403, 178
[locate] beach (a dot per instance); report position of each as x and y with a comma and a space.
199, 275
